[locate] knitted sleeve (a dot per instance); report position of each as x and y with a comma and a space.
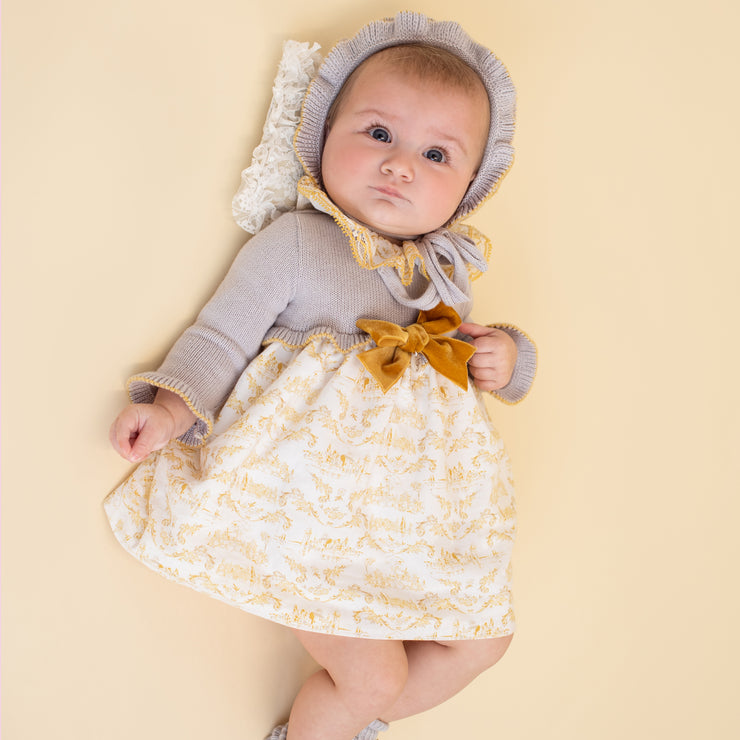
206, 361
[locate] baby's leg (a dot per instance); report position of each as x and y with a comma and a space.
361, 679
439, 670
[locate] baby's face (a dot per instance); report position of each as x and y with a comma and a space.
401, 152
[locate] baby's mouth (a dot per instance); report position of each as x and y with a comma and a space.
389, 191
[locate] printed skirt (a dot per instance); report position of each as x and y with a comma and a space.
322, 503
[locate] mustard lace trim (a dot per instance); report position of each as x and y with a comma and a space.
480, 240
372, 251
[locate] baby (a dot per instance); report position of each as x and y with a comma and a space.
323, 462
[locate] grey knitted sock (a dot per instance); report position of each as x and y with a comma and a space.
369, 733
372, 730
279, 733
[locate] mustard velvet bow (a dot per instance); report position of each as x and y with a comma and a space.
448, 356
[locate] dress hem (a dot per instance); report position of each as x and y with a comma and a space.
476, 633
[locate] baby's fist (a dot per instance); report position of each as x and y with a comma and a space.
140, 429
492, 365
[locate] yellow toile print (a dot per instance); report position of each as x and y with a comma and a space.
322, 503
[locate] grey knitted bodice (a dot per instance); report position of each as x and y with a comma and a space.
295, 279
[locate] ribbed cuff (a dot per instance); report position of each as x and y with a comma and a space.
525, 368
143, 388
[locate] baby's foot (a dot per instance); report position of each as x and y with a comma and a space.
372, 730
369, 733
279, 733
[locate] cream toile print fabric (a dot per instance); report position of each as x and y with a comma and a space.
321, 503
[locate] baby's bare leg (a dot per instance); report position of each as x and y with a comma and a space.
439, 670
361, 679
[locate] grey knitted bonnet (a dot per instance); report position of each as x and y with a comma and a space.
409, 28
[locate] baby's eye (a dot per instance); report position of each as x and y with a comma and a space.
436, 155
379, 134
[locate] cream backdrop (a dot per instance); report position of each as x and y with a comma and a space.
126, 125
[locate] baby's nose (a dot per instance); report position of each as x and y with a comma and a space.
400, 164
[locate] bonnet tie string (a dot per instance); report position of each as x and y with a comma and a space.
458, 250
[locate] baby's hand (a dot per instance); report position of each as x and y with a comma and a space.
142, 428
493, 362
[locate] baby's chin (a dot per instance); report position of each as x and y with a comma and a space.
386, 231
382, 230
393, 237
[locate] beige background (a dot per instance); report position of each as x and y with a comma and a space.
126, 125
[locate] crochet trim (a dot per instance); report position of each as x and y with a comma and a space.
318, 335
481, 241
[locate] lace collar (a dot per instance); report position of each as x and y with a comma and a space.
449, 257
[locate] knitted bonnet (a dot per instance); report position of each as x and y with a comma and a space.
410, 28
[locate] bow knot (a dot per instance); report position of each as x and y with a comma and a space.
395, 345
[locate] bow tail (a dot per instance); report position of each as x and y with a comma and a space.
450, 358
385, 364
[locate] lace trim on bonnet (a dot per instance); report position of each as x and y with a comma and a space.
268, 186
